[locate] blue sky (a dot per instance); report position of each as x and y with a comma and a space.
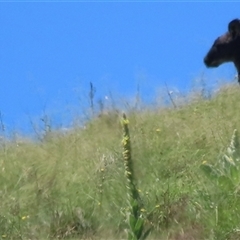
51, 51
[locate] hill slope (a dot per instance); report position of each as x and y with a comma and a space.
73, 186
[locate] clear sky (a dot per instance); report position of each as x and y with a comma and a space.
50, 51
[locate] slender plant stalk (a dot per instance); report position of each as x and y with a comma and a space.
135, 218
91, 97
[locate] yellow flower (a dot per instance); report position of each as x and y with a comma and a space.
204, 162
125, 121
25, 217
158, 130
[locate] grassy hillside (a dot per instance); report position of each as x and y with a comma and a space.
72, 185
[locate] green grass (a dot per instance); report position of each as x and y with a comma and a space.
73, 185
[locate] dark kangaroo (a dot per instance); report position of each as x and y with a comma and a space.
226, 48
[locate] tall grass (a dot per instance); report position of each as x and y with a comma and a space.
73, 185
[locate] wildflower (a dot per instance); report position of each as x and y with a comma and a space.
158, 130
25, 217
127, 173
229, 159
125, 121
204, 162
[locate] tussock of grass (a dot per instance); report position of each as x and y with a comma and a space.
73, 185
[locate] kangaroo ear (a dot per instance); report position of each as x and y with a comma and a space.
234, 27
